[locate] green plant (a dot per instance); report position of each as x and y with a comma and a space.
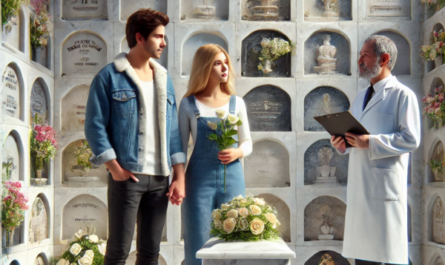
13, 205
11, 8
39, 23
434, 5
436, 165
273, 49
83, 154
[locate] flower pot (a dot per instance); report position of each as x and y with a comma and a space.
267, 67
39, 55
438, 61
9, 242
38, 162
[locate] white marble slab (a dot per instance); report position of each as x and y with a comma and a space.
217, 248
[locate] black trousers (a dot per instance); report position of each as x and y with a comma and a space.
365, 262
129, 201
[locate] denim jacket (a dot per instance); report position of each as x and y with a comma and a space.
115, 117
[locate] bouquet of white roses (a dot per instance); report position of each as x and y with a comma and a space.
245, 219
224, 132
85, 249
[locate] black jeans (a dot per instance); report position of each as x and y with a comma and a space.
127, 200
365, 262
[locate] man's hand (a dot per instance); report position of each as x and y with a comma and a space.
338, 143
229, 155
176, 193
358, 141
118, 173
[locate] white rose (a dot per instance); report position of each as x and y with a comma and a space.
272, 219
220, 113
93, 239
75, 249
233, 119
218, 224
255, 210
229, 225
212, 125
102, 248
225, 206
243, 224
90, 253
85, 260
232, 214
243, 212
240, 197
216, 215
259, 201
256, 226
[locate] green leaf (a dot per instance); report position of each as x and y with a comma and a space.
232, 132
213, 137
239, 123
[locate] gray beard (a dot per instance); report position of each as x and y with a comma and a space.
370, 73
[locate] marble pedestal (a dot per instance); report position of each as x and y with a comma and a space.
218, 252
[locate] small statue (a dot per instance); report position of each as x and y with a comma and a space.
331, 8
325, 228
325, 56
326, 259
267, 10
326, 173
205, 11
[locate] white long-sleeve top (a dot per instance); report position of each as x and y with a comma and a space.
188, 122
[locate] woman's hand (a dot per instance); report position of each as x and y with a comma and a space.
229, 155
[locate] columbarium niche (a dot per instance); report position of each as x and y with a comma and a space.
388, 10
84, 9
267, 166
322, 101
327, 257
265, 10
283, 214
78, 170
13, 32
322, 164
164, 56
12, 86
38, 226
73, 111
39, 101
11, 158
436, 169
327, 10
193, 43
327, 52
85, 211
438, 223
268, 109
251, 52
324, 219
131, 260
129, 7
41, 260
403, 62
438, 261
198, 10
83, 53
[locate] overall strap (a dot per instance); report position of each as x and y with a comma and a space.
192, 103
232, 105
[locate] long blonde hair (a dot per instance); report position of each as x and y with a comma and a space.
202, 66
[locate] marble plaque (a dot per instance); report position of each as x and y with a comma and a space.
251, 50
11, 93
39, 105
199, 10
73, 110
73, 171
131, 260
262, 10
438, 222
10, 160
83, 53
164, 56
388, 9
438, 261
403, 62
313, 218
39, 261
268, 109
267, 166
316, 10
129, 7
438, 155
312, 163
84, 9
38, 226
12, 31
283, 214
85, 211
343, 55
322, 101
191, 46
320, 258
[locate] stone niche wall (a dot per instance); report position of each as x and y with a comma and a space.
403, 63
204, 10
437, 222
322, 101
438, 155
12, 92
283, 214
12, 164
318, 11
129, 7
39, 101
84, 10
251, 50
265, 10
388, 10
73, 111
325, 209
39, 224
193, 43
14, 34
41, 260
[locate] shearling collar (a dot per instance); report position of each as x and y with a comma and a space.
122, 64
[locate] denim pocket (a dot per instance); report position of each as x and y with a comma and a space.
124, 103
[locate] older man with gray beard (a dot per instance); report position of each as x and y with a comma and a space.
376, 216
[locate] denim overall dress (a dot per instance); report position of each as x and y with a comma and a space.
204, 185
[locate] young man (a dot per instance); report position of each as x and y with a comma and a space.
131, 125
378, 163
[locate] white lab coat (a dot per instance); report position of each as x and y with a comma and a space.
376, 214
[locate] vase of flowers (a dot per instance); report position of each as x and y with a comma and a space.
435, 107
437, 167
14, 206
436, 50
39, 29
10, 9
272, 49
83, 155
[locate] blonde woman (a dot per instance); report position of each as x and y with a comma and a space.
210, 88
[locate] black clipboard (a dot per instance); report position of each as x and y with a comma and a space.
340, 123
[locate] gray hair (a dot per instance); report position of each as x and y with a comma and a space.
384, 45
